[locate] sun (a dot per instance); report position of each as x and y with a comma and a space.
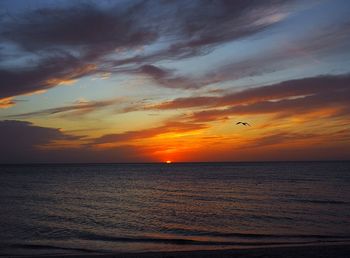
168, 161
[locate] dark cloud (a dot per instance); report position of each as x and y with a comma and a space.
291, 53
73, 41
204, 24
196, 27
47, 73
23, 142
168, 78
296, 52
250, 67
287, 98
67, 44
20, 140
155, 71
85, 27
332, 104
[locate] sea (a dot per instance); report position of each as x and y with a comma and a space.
115, 208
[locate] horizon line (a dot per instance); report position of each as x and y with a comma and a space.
164, 163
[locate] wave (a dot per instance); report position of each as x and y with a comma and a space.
320, 201
322, 239
186, 241
255, 236
46, 247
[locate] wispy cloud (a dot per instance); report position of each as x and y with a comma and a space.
79, 108
168, 127
285, 98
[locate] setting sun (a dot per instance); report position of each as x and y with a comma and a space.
175, 128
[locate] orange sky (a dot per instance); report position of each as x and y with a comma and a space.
92, 84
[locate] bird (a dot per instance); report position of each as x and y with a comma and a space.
243, 123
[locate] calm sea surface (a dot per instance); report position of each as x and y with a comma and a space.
55, 209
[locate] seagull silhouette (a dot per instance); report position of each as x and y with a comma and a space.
243, 123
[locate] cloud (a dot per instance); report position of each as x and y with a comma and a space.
279, 138
165, 77
168, 127
88, 27
59, 44
168, 78
63, 43
285, 98
331, 104
78, 108
294, 52
66, 43
204, 25
22, 139
300, 145
301, 96
47, 73
6, 103
23, 142
89, 33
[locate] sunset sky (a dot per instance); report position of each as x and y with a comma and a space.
151, 81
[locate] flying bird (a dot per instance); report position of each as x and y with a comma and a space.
243, 123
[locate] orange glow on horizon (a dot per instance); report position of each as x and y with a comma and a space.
168, 161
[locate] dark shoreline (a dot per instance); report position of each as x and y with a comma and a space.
307, 251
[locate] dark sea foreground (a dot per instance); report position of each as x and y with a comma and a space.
123, 208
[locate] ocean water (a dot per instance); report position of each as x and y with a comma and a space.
78, 209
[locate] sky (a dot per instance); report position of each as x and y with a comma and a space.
156, 81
